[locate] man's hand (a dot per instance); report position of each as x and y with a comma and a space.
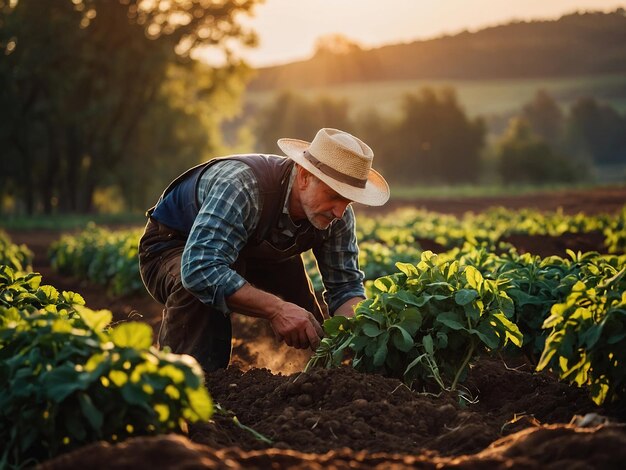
296, 326
291, 323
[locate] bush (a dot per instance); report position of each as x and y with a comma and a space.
424, 324
69, 380
18, 257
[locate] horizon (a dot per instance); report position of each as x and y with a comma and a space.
401, 21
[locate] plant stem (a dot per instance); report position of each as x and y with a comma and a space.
468, 356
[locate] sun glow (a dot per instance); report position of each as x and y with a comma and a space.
288, 30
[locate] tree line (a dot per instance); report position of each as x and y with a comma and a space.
586, 43
106, 92
434, 141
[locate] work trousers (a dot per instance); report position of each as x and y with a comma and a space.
192, 327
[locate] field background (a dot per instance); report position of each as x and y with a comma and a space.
480, 97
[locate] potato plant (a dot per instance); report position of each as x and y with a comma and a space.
586, 344
423, 325
69, 379
104, 257
18, 257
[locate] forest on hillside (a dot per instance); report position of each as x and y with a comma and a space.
581, 43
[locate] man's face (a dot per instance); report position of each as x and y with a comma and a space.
321, 204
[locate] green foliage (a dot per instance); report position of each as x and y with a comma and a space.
18, 257
597, 131
489, 227
78, 108
537, 284
425, 324
587, 340
379, 259
70, 380
545, 117
420, 147
291, 115
615, 233
104, 257
110, 257
524, 157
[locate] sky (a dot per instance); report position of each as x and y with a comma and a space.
288, 29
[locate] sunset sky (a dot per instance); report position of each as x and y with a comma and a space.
288, 29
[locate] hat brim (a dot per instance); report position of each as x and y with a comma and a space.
375, 192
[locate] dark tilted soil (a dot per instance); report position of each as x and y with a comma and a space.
346, 420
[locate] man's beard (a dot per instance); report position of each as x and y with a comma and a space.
319, 220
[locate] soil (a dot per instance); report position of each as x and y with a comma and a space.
340, 418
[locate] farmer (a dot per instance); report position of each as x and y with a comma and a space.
227, 236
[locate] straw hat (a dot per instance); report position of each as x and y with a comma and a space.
341, 161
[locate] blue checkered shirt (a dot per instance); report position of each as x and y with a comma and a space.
230, 211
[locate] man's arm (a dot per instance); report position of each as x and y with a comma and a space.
347, 308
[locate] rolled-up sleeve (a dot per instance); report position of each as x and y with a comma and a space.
338, 262
228, 215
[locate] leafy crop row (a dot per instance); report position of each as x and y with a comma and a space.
109, 257
587, 340
104, 257
69, 379
489, 227
427, 322
18, 257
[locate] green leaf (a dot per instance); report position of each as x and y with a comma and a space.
96, 320
427, 342
408, 269
59, 383
73, 298
47, 294
371, 329
384, 284
487, 335
465, 296
381, 349
200, 402
410, 298
410, 320
359, 343
93, 415
451, 320
401, 338
333, 326
474, 278
599, 392
546, 357
511, 330
134, 395
132, 335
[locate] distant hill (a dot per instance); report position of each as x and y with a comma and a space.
576, 44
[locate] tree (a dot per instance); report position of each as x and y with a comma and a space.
435, 141
596, 131
81, 78
292, 115
544, 117
523, 157
335, 44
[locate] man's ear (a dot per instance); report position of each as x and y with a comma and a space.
303, 177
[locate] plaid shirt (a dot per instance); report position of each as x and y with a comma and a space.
229, 213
